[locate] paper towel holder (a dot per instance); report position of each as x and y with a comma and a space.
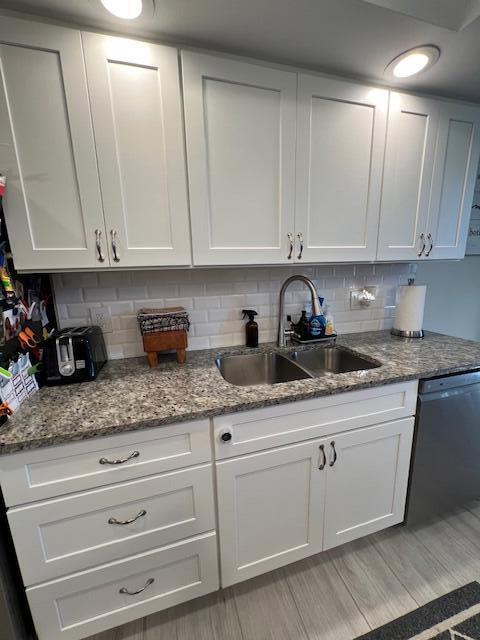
408, 334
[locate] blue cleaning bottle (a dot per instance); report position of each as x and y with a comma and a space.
317, 324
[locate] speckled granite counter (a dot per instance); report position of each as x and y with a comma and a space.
128, 395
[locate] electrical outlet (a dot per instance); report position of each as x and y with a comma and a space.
362, 298
102, 317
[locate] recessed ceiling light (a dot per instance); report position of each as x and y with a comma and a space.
413, 61
127, 9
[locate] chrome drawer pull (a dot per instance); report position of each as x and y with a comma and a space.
430, 239
135, 593
300, 240
113, 234
321, 465
290, 239
424, 246
135, 454
334, 451
98, 244
140, 514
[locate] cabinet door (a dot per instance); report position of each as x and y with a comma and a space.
240, 128
367, 480
270, 508
341, 129
455, 171
53, 204
137, 116
409, 157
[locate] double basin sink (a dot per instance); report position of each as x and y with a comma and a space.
273, 368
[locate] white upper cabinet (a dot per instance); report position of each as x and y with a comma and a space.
341, 130
283, 168
240, 130
453, 184
409, 157
137, 116
53, 204
430, 168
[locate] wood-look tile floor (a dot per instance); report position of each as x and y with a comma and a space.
336, 595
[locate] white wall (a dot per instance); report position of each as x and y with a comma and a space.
214, 299
453, 296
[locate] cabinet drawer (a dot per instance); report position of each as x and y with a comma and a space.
75, 532
93, 601
53, 471
283, 424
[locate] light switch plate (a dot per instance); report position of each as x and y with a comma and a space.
102, 317
356, 296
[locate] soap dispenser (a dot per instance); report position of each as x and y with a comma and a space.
251, 328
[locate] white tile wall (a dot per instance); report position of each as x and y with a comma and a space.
214, 299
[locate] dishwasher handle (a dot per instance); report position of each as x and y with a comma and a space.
445, 383
449, 394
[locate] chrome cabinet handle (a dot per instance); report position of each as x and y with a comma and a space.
430, 239
113, 234
98, 244
290, 239
135, 593
134, 454
321, 465
334, 451
140, 514
300, 239
422, 239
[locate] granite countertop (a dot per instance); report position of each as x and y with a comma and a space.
128, 395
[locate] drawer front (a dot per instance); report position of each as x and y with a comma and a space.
92, 601
85, 529
292, 422
54, 471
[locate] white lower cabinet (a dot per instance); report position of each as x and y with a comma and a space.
113, 528
367, 481
270, 508
117, 528
75, 532
281, 505
110, 595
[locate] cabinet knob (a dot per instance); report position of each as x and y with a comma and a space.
226, 436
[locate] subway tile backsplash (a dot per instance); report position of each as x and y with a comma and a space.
214, 299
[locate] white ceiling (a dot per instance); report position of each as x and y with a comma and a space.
456, 14
350, 37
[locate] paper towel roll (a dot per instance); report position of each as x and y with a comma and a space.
410, 307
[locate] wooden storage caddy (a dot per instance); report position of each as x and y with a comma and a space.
165, 341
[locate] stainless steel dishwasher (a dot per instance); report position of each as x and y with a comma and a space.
445, 469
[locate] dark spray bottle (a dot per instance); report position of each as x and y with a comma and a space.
251, 328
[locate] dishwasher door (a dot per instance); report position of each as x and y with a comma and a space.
445, 469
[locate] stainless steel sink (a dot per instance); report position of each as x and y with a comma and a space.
331, 360
271, 368
259, 368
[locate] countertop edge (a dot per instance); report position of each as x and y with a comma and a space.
32, 444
